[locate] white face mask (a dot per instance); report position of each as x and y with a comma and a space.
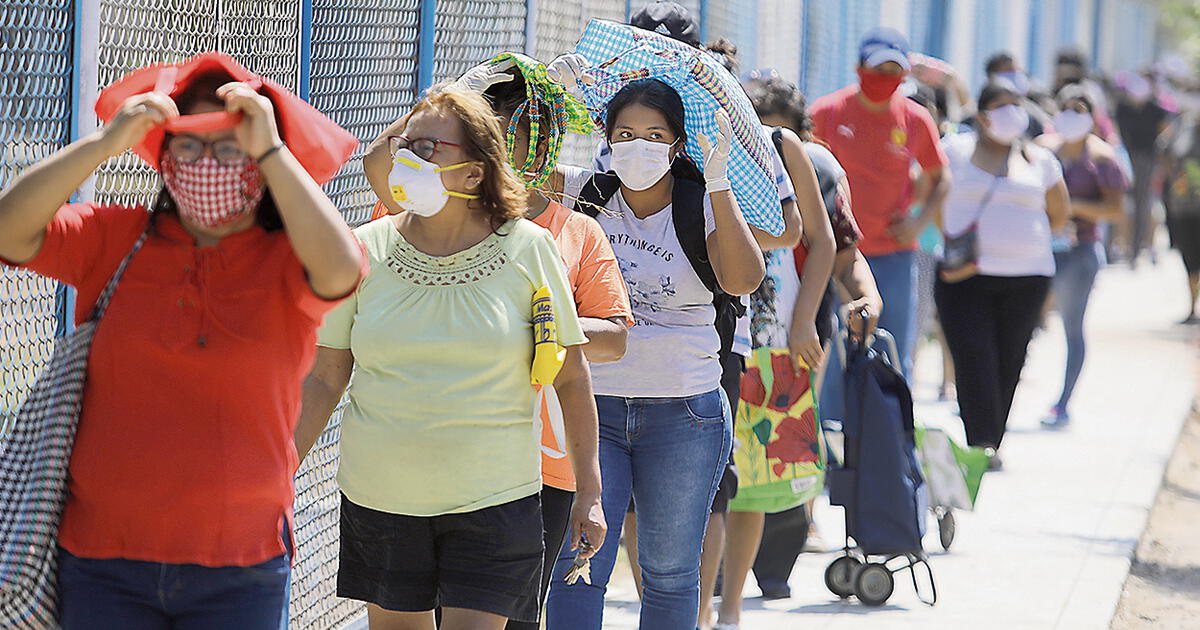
416, 184
641, 163
1007, 123
1073, 126
1139, 88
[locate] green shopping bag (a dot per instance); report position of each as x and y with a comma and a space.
952, 472
779, 453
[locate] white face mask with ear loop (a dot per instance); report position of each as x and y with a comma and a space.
641, 163
1073, 125
1007, 123
416, 184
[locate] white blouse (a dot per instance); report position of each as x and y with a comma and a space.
1013, 229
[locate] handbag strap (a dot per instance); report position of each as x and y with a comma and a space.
987, 198
111, 287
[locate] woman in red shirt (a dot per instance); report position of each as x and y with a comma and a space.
180, 485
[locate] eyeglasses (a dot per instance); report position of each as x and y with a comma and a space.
190, 148
422, 147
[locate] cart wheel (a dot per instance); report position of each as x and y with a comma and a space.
874, 584
840, 575
946, 529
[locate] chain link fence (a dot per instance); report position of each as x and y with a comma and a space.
35, 120
364, 77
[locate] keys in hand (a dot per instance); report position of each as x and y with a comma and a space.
581, 569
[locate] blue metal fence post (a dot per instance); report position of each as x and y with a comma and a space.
306, 18
531, 35
628, 9
805, 9
936, 37
704, 21
1097, 30
1033, 60
64, 295
425, 43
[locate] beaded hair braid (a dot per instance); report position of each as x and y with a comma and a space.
566, 115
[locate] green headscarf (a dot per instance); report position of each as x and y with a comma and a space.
567, 115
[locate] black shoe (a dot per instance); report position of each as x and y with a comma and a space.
784, 592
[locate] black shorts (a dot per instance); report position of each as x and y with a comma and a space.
482, 560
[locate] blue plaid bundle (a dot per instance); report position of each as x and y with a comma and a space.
35, 451
622, 54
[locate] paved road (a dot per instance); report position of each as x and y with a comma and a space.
1050, 543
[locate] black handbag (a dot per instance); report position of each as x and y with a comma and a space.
960, 253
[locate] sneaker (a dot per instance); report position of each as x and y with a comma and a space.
813, 543
994, 462
1057, 419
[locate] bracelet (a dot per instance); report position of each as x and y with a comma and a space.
266, 154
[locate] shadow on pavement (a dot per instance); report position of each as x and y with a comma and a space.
1183, 580
849, 607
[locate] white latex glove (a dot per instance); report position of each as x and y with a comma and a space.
716, 157
487, 74
570, 70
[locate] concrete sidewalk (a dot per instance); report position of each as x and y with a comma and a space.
1050, 542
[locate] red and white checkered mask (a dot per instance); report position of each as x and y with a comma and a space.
212, 194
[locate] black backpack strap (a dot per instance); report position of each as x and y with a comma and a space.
596, 193
687, 213
777, 140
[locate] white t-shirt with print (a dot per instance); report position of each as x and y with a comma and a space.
1013, 230
672, 347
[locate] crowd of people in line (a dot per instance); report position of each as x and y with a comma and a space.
252, 308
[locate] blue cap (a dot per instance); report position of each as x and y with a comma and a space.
881, 45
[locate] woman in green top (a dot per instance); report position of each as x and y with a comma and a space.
439, 451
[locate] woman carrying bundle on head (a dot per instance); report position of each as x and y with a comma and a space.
665, 426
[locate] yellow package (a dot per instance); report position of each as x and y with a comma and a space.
548, 356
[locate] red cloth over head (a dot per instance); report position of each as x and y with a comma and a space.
320, 145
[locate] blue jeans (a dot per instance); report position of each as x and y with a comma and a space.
896, 276
134, 595
669, 453
1073, 282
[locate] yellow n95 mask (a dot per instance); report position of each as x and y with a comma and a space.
416, 184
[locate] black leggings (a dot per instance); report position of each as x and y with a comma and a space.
988, 321
556, 517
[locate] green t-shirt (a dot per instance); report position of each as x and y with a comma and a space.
441, 407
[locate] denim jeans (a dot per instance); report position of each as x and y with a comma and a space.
896, 276
116, 594
669, 453
1073, 282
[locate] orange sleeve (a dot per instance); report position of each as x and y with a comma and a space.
600, 291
